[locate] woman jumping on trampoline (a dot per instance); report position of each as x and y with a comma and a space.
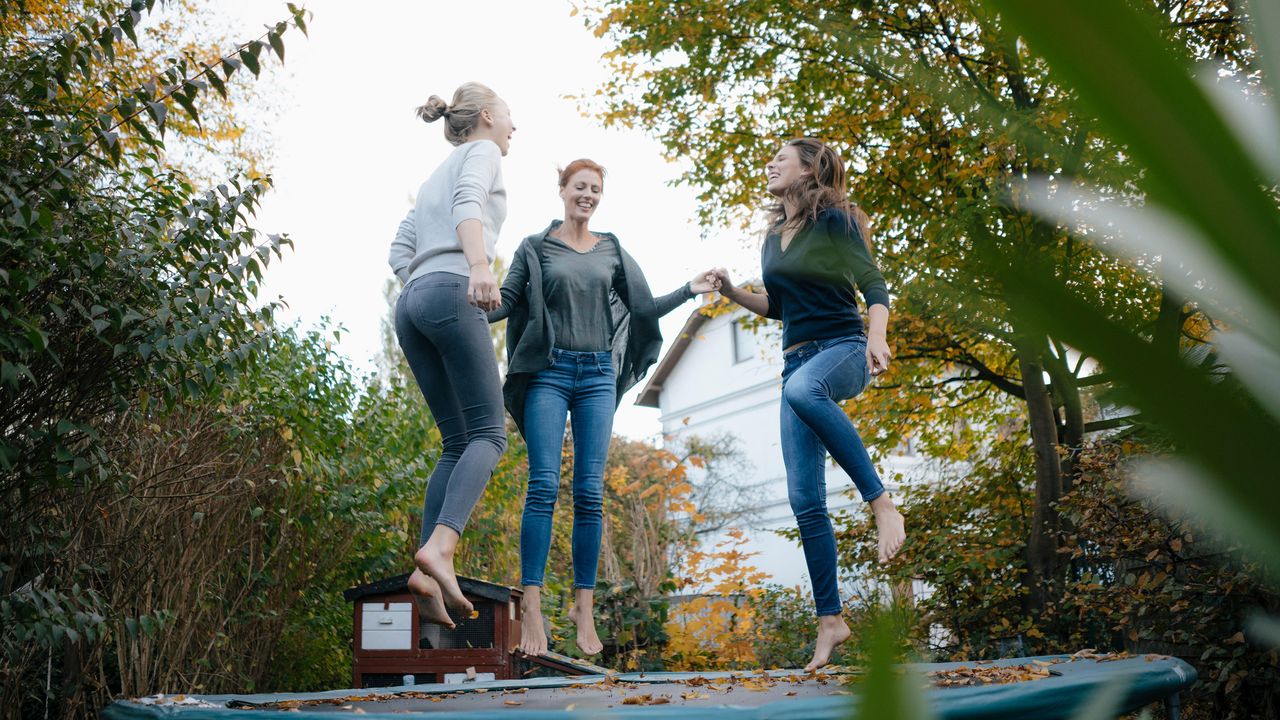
442, 253
582, 328
815, 253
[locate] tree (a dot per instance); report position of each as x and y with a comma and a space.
943, 114
124, 293
227, 138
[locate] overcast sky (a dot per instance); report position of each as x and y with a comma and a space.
350, 154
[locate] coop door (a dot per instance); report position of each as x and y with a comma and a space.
387, 626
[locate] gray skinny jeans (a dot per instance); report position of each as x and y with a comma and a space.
446, 341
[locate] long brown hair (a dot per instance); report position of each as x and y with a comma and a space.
824, 187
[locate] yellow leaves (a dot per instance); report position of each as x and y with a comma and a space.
650, 491
646, 699
991, 675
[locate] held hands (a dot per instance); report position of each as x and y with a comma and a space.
482, 290
704, 282
878, 354
723, 282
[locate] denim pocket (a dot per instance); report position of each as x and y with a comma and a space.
847, 375
436, 302
605, 365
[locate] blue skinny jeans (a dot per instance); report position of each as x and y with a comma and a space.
815, 377
581, 386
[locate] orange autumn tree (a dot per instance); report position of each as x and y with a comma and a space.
714, 629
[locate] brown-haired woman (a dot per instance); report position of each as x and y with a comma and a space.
442, 253
815, 254
582, 328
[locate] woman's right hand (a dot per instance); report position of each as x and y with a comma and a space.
726, 283
482, 291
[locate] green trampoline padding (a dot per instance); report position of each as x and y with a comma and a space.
782, 695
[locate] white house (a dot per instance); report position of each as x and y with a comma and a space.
719, 377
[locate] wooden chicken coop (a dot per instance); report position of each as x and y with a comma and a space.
390, 642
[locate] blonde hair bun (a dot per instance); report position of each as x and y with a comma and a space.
463, 114
434, 109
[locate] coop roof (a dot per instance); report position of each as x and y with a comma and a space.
400, 584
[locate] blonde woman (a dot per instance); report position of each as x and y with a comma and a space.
443, 252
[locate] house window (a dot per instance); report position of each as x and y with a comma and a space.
744, 342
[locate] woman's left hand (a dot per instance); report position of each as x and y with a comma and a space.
878, 355
704, 282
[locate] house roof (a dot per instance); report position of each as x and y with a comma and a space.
653, 387
400, 584
649, 394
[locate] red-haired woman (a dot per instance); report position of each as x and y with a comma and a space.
815, 254
582, 328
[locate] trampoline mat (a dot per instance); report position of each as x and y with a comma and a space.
1040, 687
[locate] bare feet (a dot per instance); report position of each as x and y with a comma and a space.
533, 637
426, 594
832, 631
890, 527
436, 560
581, 615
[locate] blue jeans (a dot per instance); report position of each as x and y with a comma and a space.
815, 377
580, 385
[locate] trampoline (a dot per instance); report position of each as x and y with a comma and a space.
1038, 687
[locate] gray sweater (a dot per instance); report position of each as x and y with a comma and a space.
467, 185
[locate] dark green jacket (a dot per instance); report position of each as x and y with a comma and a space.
530, 336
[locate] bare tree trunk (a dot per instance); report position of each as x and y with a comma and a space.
1071, 431
1168, 330
1042, 545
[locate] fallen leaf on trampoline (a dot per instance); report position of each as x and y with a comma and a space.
512, 702
1001, 675
646, 699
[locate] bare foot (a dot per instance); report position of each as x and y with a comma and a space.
588, 641
890, 527
439, 567
533, 637
832, 631
426, 594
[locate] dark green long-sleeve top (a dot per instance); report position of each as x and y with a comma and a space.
812, 283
